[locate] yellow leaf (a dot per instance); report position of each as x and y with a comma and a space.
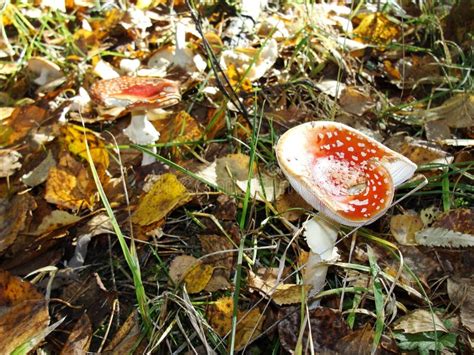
70, 185
237, 81
75, 140
249, 324
376, 28
166, 194
192, 271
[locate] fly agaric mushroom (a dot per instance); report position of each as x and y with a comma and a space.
137, 95
346, 175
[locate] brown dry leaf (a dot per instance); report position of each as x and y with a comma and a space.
9, 162
24, 314
166, 195
376, 28
223, 262
179, 129
70, 185
456, 112
40, 173
420, 321
292, 206
16, 127
265, 281
14, 218
327, 328
192, 271
404, 227
80, 338
459, 220
249, 323
74, 138
358, 342
56, 219
231, 168
422, 152
461, 293
354, 101
127, 337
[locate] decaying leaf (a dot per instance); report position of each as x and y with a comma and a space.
16, 127
461, 293
56, 219
355, 101
404, 226
13, 217
70, 185
39, 174
126, 339
80, 338
24, 315
376, 28
193, 272
452, 229
249, 323
166, 195
291, 205
222, 261
420, 321
326, 325
9, 162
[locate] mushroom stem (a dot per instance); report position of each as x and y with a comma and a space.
142, 131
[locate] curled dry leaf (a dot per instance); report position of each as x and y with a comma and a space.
355, 101
24, 315
17, 126
167, 194
420, 321
249, 323
193, 272
9, 162
266, 282
291, 205
126, 339
56, 219
264, 187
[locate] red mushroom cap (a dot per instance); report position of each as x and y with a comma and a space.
136, 92
340, 171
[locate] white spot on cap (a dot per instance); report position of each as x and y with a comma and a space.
350, 149
354, 157
361, 144
329, 134
364, 154
339, 143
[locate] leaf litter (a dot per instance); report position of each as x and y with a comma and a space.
223, 255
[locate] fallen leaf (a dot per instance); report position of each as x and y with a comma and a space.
40, 173
265, 281
126, 339
70, 185
376, 28
166, 195
16, 127
355, 101
222, 261
193, 272
55, 220
9, 162
249, 324
75, 137
231, 168
422, 152
292, 206
404, 227
264, 187
327, 328
14, 214
420, 321
79, 339
24, 313
461, 293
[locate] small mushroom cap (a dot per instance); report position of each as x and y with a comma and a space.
44, 70
340, 171
136, 92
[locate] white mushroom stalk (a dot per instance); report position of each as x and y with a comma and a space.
138, 94
346, 175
